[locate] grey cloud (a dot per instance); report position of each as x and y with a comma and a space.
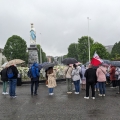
60, 22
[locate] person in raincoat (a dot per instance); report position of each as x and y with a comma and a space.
51, 74
68, 76
35, 78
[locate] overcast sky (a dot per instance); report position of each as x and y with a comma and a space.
60, 22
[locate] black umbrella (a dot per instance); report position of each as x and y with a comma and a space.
68, 61
107, 61
48, 65
115, 63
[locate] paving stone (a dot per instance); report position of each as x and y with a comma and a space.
60, 106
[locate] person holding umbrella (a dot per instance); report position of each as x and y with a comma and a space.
12, 74
51, 76
68, 72
68, 76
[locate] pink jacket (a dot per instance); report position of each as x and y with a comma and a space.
101, 74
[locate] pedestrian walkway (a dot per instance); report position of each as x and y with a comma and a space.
60, 106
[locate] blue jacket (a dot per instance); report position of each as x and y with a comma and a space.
35, 70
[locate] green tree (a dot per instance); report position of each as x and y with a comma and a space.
38, 47
115, 53
43, 54
100, 49
16, 48
44, 58
64, 56
83, 48
73, 51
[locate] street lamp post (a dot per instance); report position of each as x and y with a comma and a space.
40, 52
88, 39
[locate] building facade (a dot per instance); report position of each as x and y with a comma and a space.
2, 57
109, 48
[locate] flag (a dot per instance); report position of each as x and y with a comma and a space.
96, 60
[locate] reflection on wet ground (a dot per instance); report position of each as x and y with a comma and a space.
60, 106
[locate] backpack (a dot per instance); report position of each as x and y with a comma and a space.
29, 73
10, 73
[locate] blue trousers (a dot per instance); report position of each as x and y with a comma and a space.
12, 87
102, 87
97, 85
32, 87
50, 90
77, 85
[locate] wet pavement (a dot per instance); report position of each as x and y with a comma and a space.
60, 106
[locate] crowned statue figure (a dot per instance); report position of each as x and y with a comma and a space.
32, 35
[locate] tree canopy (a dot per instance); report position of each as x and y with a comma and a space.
83, 50
115, 53
16, 48
100, 49
43, 55
73, 51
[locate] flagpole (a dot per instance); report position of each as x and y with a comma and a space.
88, 39
40, 52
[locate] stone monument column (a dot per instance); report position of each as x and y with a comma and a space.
32, 50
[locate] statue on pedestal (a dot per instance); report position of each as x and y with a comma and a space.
32, 50
32, 35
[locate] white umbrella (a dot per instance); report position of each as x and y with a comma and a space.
14, 62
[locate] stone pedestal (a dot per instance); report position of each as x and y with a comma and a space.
33, 55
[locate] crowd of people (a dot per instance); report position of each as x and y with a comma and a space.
10, 75
83, 78
94, 77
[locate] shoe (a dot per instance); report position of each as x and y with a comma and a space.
86, 97
111, 87
100, 94
103, 95
98, 90
93, 98
14, 96
6, 93
95, 89
76, 93
3, 93
69, 92
51, 93
35, 94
